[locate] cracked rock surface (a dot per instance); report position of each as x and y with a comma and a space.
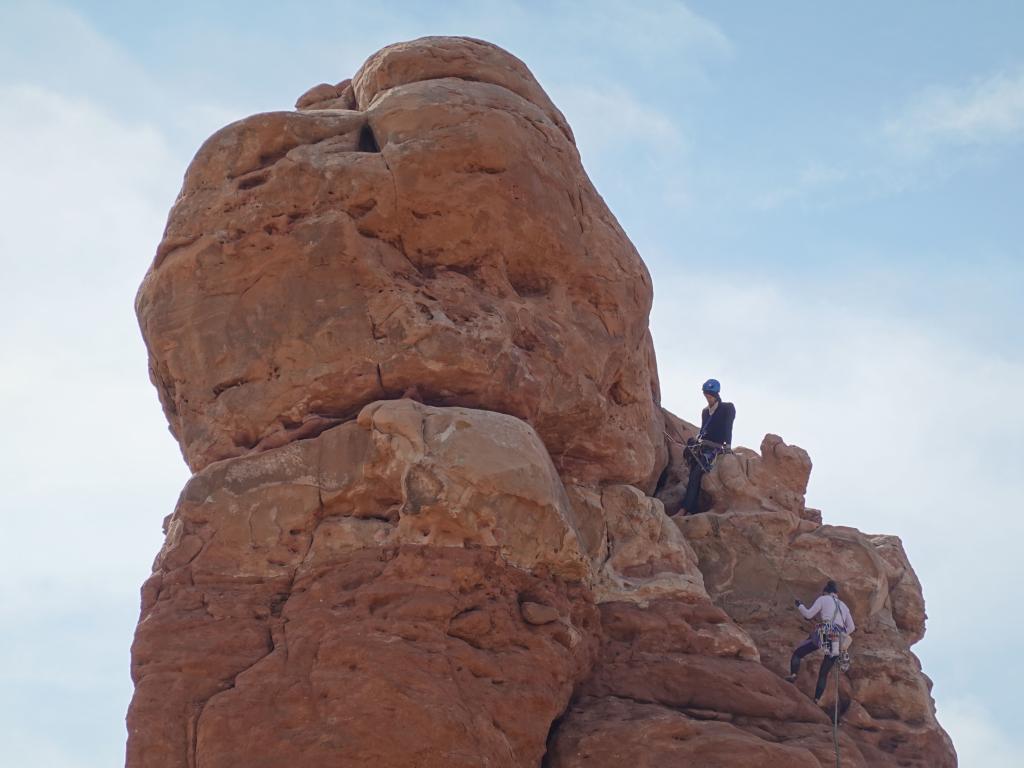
404, 347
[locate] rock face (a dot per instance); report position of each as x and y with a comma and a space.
759, 547
403, 345
437, 232
388, 569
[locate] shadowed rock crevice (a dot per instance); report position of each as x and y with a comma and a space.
367, 141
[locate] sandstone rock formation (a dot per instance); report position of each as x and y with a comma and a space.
440, 235
403, 345
390, 569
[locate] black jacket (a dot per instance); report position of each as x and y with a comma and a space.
718, 428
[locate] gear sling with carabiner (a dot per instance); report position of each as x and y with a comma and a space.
832, 637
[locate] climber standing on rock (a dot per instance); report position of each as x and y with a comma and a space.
835, 626
714, 438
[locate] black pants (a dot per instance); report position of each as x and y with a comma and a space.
809, 646
693, 489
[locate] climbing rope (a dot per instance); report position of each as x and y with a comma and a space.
836, 666
835, 718
674, 440
780, 581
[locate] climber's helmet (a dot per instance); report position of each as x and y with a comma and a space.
831, 588
712, 387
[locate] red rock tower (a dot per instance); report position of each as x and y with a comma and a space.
483, 574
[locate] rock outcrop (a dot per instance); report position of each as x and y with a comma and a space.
390, 569
440, 235
403, 345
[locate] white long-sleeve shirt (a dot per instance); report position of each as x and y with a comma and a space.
826, 606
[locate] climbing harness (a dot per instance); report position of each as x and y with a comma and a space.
832, 635
829, 639
700, 455
700, 451
703, 454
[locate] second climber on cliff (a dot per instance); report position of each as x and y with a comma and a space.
832, 633
714, 438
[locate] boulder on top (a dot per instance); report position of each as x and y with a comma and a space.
443, 235
740, 480
646, 556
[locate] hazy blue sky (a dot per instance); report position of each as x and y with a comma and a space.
828, 196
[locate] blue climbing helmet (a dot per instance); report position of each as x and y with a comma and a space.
712, 386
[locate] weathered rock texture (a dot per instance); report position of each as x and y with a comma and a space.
403, 345
385, 571
442, 235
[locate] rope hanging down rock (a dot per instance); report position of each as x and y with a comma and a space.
835, 719
781, 581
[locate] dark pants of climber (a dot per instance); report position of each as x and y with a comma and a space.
693, 489
810, 645
700, 459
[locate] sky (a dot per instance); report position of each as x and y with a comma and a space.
828, 197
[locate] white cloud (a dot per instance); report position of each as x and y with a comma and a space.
616, 130
28, 749
986, 111
980, 743
83, 210
89, 468
55, 48
812, 179
613, 118
647, 30
644, 33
